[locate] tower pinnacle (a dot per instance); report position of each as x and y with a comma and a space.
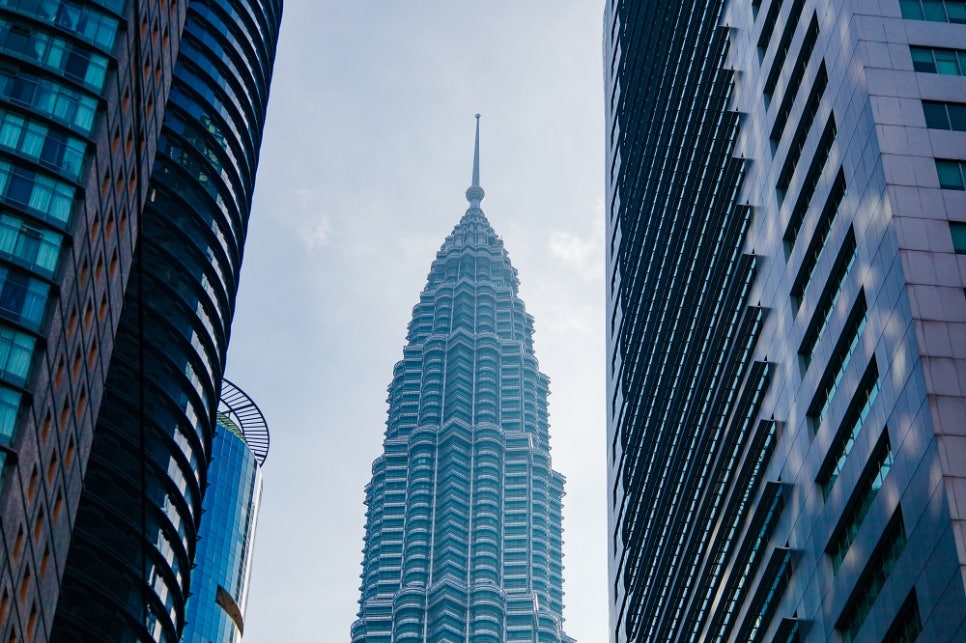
475, 194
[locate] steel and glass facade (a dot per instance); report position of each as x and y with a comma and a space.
463, 529
223, 562
126, 168
787, 320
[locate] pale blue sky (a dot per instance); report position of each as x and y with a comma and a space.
366, 156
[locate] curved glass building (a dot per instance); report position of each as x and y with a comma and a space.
463, 530
223, 561
129, 568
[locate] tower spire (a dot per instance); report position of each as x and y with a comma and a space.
475, 194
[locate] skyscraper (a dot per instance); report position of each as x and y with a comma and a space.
219, 582
463, 529
787, 320
131, 135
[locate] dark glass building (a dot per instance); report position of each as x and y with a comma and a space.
463, 531
786, 320
223, 562
129, 135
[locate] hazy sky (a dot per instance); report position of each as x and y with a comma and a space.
366, 156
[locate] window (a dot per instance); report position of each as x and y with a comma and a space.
951, 174
801, 132
84, 22
29, 245
72, 60
16, 353
49, 198
810, 182
873, 579
845, 347
907, 624
794, 20
950, 62
934, 10
49, 99
768, 26
826, 302
816, 246
958, 231
849, 430
22, 298
858, 506
948, 116
9, 406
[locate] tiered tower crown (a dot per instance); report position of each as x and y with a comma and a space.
463, 533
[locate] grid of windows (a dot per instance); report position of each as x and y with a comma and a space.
862, 496
952, 174
936, 60
874, 577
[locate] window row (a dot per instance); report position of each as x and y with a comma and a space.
934, 10
947, 116
874, 577
852, 423
48, 198
84, 22
29, 245
49, 98
791, 27
810, 182
38, 142
801, 132
73, 61
839, 361
816, 247
862, 496
935, 60
826, 301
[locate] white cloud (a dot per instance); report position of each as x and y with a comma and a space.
582, 252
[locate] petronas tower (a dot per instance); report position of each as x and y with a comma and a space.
463, 529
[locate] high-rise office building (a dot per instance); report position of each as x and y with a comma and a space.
463, 529
787, 320
130, 134
223, 562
